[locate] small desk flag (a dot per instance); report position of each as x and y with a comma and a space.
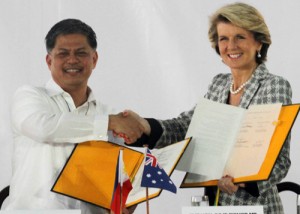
122, 186
155, 176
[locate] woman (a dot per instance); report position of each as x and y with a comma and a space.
241, 37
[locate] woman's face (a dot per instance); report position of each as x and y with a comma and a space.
237, 46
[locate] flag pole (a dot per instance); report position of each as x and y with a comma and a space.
147, 191
121, 198
121, 208
121, 179
147, 200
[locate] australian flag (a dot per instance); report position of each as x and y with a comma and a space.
155, 176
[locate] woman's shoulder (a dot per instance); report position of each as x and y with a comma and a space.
276, 80
222, 76
221, 79
263, 73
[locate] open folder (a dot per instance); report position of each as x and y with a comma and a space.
89, 173
282, 126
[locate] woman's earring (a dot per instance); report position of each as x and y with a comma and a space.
258, 54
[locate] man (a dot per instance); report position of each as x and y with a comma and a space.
48, 121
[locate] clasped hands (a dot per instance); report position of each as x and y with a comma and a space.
128, 125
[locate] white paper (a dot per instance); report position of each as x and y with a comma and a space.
223, 210
253, 140
222, 131
214, 130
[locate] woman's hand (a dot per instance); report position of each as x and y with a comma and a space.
128, 125
143, 122
226, 184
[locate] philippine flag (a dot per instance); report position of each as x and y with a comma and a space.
122, 187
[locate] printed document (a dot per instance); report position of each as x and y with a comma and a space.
228, 140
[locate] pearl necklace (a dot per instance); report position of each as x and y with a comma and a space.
239, 89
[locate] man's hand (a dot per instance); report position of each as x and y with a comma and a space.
129, 126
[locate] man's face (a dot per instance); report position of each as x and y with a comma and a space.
71, 61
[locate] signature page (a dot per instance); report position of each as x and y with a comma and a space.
253, 140
213, 128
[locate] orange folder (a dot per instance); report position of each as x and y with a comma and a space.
287, 117
89, 174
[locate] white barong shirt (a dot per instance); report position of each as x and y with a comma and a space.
46, 126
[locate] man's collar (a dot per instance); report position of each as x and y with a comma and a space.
53, 89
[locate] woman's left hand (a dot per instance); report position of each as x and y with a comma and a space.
226, 184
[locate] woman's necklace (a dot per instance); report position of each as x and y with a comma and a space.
240, 88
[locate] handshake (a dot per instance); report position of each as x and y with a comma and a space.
128, 125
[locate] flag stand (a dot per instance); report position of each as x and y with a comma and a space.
147, 200
121, 208
121, 184
147, 192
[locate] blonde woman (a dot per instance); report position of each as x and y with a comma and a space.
241, 38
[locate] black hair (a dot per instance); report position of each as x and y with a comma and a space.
70, 26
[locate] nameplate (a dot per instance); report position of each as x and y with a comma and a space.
224, 210
40, 211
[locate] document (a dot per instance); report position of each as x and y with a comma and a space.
224, 210
89, 173
234, 141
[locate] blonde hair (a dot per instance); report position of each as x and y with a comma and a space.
243, 16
